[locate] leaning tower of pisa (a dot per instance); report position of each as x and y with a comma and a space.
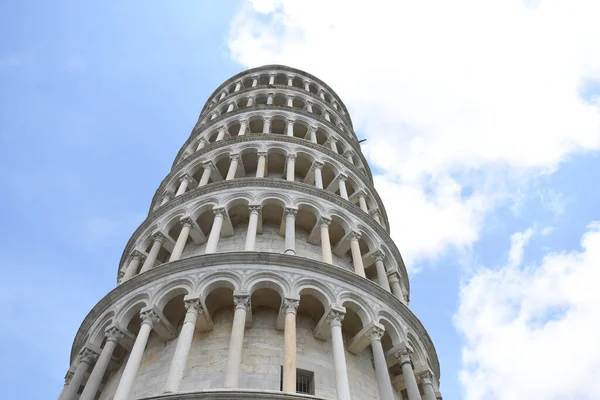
264, 269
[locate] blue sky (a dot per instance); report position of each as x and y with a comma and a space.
488, 144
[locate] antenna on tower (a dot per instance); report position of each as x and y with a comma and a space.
362, 140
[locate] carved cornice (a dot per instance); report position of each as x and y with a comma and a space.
274, 184
278, 68
246, 258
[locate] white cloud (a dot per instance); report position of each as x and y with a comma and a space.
531, 332
449, 94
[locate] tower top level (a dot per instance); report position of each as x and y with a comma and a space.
264, 265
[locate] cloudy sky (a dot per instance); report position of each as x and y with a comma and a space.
482, 120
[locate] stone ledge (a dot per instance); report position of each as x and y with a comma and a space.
234, 394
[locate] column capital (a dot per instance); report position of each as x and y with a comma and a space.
87, 355
361, 193
193, 305
319, 164
207, 165
290, 305
393, 276
426, 377
186, 221
404, 355
343, 177
68, 377
290, 211
262, 154
113, 334
245, 121
138, 254
168, 194
241, 301
149, 316
185, 177
312, 128
221, 128
324, 221
220, 211
375, 333
335, 317
291, 157
378, 255
255, 209
290, 120
355, 235
234, 156
159, 237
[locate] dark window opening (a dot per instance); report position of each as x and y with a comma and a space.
305, 381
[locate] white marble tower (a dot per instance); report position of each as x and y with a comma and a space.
264, 268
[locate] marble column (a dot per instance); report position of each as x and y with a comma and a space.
289, 131
270, 99
290, 230
342, 386
325, 241
271, 79
208, 167
223, 94
238, 86
230, 107
86, 357
382, 278
395, 285
362, 202
159, 238
290, 102
113, 335
307, 86
233, 165
342, 186
201, 144
289, 345
290, 80
412, 389
134, 263
318, 174
254, 81
381, 370
250, 102
215, 231
291, 167
262, 161
333, 145
359, 268
167, 196
149, 318
326, 115
186, 225
184, 342
267, 125
183, 185
243, 126
68, 377
313, 134
234, 354
427, 385
309, 107
252, 227
220, 134
321, 94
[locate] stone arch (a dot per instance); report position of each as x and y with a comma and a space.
357, 304
316, 288
269, 280
181, 286
131, 308
217, 280
419, 357
96, 334
391, 327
